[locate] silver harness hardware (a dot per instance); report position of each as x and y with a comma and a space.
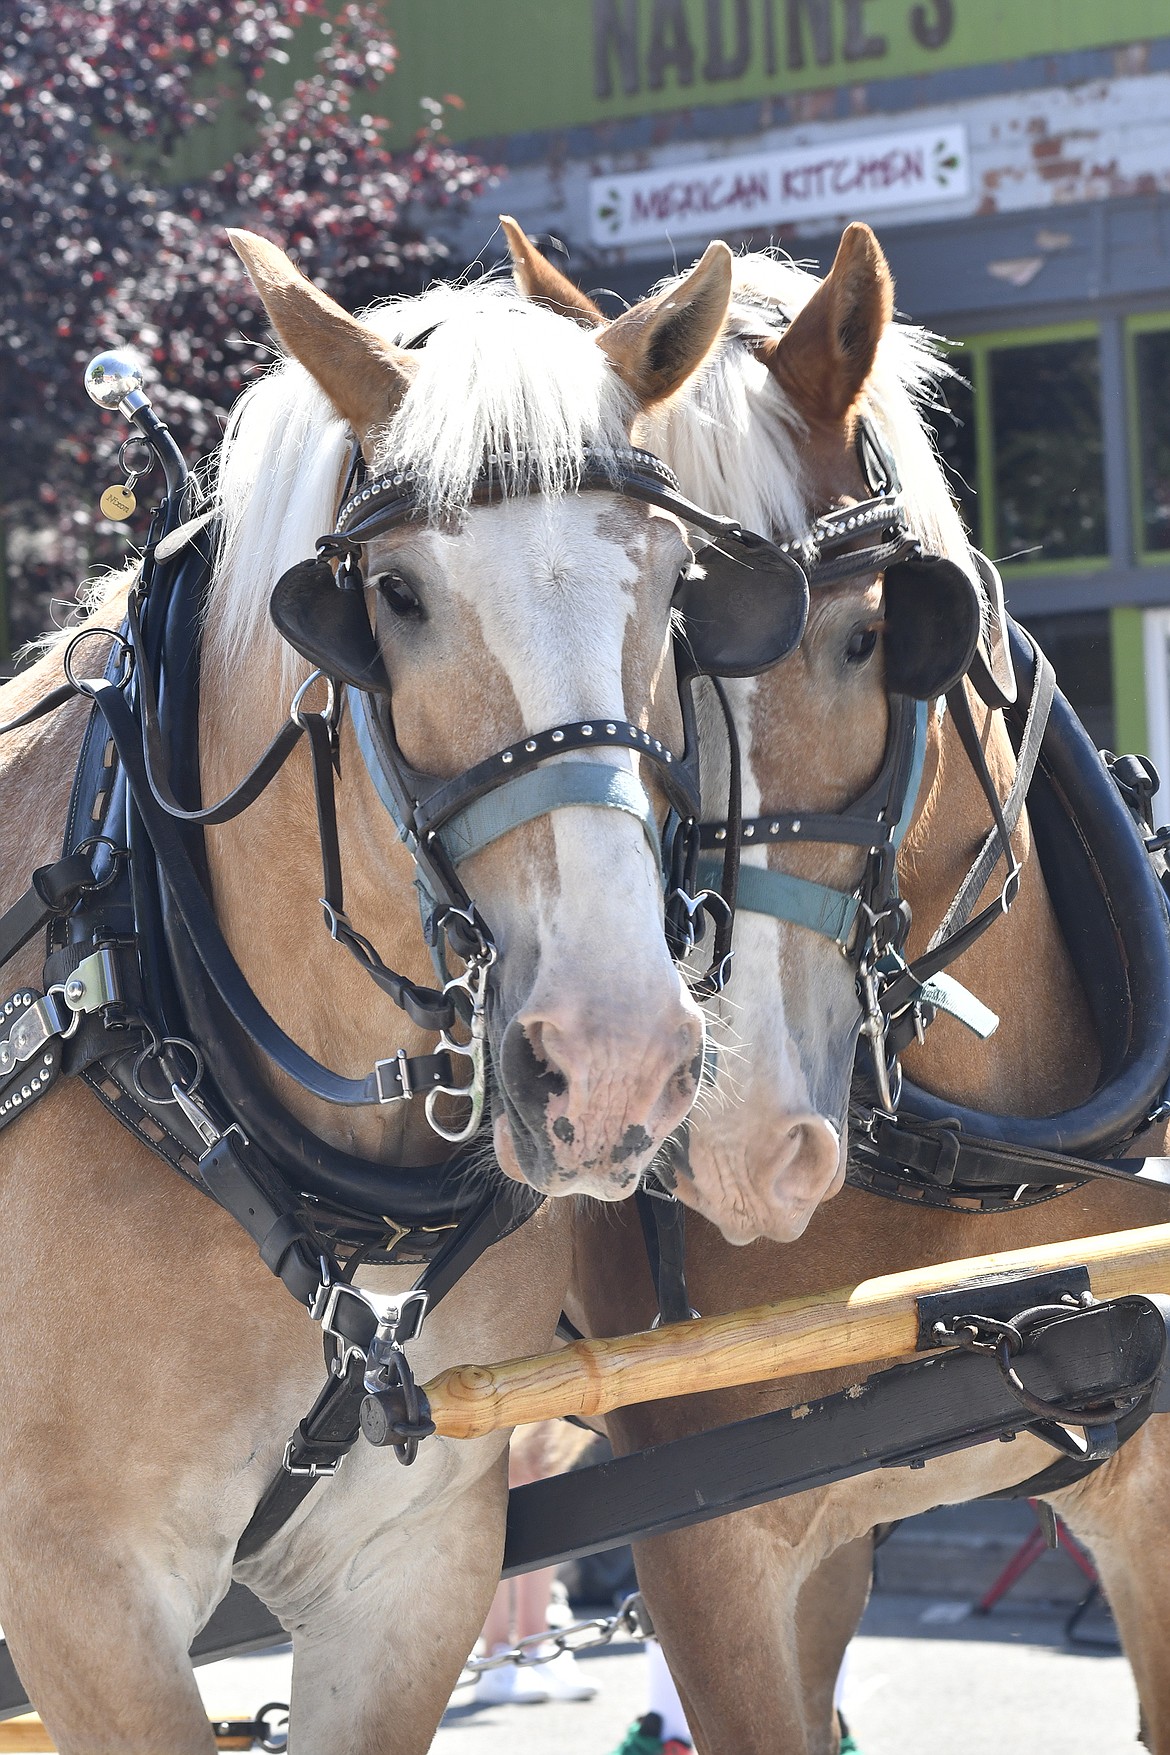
631, 1620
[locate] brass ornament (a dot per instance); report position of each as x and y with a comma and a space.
118, 503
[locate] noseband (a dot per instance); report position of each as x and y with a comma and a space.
937, 624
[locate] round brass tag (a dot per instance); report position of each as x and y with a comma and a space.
117, 504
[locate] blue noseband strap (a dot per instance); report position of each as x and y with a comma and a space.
519, 799
800, 901
797, 900
541, 790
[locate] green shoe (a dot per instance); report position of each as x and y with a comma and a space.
643, 1738
847, 1746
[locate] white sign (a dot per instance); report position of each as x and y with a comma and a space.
838, 178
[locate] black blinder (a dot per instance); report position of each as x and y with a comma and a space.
744, 606
327, 623
992, 670
934, 617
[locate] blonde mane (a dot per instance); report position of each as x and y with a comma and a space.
710, 433
497, 376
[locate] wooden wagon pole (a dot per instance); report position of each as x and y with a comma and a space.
861, 1326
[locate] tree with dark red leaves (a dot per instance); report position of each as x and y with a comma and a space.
99, 251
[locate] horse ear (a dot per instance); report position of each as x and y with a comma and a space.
545, 285
826, 354
656, 346
363, 376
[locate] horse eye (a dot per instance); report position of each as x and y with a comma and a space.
398, 596
861, 646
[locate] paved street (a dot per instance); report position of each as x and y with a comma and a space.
924, 1677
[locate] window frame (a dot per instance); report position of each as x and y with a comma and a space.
1135, 324
978, 347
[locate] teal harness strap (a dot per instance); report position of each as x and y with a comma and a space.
800, 901
794, 899
359, 716
541, 790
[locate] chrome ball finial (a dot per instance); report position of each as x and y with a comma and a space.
114, 380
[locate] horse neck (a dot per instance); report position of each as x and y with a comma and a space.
1044, 1055
266, 880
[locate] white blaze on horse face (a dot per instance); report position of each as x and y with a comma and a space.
541, 613
769, 1146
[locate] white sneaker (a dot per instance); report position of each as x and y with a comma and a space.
565, 1680
508, 1685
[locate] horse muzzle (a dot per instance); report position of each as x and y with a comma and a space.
587, 1100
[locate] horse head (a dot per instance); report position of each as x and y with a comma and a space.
802, 420
495, 617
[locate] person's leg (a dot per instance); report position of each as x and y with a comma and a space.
533, 1594
499, 1630
662, 1696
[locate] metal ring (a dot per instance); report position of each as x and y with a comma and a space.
135, 468
117, 855
83, 685
154, 1051
75, 1024
295, 712
270, 1737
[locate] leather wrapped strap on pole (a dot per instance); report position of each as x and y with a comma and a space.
858, 1327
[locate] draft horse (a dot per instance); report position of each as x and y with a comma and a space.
154, 1366
772, 430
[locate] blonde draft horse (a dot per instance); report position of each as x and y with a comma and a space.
755, 1610
152, 1367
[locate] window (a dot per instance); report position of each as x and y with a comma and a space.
1150, 394
1023, 448
1046, 436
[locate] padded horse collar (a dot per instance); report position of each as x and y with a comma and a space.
1114, 915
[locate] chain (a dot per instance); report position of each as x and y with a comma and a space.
631, 1619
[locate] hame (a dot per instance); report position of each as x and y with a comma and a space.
650, 44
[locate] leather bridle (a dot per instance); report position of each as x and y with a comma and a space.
870, 922
320, 608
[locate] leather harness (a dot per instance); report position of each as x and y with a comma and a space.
143, 999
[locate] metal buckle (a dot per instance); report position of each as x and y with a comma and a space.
297, 712
398, 1311
399, 1063
473, 982
314, 1471
94, 983
324, 1308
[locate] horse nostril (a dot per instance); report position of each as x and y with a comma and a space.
809, 1159
546, 1069
530, 1079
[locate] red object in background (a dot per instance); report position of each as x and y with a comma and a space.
1029, 1551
